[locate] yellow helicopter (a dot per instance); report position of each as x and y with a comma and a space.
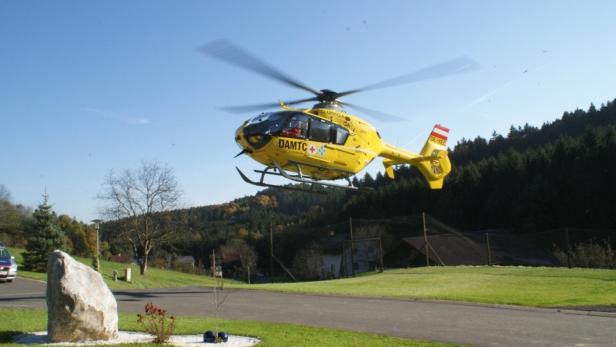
317, 145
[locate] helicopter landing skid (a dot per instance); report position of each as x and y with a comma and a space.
299, 177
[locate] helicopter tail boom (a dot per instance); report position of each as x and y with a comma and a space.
433, 161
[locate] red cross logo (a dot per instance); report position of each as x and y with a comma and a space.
312, 149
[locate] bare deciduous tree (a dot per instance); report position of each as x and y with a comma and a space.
5, 195
140, 199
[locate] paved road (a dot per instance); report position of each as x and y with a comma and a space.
480, 325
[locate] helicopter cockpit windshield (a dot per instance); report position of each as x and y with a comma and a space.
260, 129
265, 124
283, 123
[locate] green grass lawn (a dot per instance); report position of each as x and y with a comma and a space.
271, 334
527, 286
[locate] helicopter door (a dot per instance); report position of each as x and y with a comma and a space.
344, 156
319, 136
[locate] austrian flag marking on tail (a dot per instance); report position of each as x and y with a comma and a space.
439, 134
440, 131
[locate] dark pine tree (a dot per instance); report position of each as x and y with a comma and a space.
44, 237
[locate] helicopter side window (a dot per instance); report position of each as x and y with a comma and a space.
296, 126
319, 130
339, 135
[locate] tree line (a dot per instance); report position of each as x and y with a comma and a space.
42, 231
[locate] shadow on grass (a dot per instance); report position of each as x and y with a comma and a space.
157, 293
7, 336
19, 298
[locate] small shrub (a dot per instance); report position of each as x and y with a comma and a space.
587, 254
186, 267
156, 322
159, 263
307, 263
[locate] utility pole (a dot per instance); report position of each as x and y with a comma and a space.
352, 247
214, 263
343, 268
271, 252
97, 223
381, 252
425, 231
568, 248
488, 250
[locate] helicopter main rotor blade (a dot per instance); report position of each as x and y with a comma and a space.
385, 117
227, 52
450, 67
264, 106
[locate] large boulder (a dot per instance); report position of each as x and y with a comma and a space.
80, 306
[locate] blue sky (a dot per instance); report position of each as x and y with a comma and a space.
86, 87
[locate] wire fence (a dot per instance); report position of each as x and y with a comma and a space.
420, 240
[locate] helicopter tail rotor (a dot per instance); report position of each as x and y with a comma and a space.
433, 160
435, 164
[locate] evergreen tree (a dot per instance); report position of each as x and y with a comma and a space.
45, 237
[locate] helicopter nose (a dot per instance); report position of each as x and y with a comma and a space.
239, 138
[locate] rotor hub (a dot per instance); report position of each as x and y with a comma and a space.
327, 96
